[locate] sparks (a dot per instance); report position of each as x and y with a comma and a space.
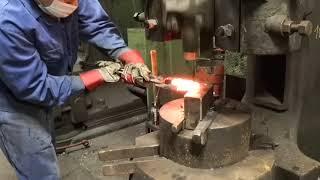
185, 85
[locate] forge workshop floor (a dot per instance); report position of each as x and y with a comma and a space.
83, 164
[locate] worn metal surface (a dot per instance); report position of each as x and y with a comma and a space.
145, 150
222, 18
196, 106
309, 74
126, 152
267, 89
211, 72
200, 133
257, 166
283, 25
125, 167
291, 163
228, 141
254, 38
173, 113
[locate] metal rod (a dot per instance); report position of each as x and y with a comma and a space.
154, 62
156, 91
127, 152
84, 143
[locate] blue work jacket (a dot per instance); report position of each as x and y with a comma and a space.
37, 52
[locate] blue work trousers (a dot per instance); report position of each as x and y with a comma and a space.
25, 139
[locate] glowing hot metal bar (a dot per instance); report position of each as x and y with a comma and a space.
197, 100
185, 85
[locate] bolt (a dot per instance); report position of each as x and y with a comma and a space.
286, 27
283, 25
225, 31
304, 28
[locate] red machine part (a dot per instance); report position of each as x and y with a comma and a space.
212, 75
154, 62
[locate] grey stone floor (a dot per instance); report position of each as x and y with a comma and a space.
83, 164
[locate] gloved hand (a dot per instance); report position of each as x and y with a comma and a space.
107, 72
135, 68
133, 73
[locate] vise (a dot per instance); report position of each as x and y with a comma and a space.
196, 134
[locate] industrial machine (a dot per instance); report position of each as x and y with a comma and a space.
245, 104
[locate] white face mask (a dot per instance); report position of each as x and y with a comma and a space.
58, 9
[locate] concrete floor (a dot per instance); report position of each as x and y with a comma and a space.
83, 164
6, 171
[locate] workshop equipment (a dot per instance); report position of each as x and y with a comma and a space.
271, 133
188, 129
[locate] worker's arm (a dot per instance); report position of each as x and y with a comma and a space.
25, 74
97, 28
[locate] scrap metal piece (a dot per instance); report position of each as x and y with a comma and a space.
196, 105
126, 152
200, 134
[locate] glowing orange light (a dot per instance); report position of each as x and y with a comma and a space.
185, 85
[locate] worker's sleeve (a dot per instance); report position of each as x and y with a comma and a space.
97, 28
25, 74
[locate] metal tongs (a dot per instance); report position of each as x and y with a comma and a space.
158, 81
